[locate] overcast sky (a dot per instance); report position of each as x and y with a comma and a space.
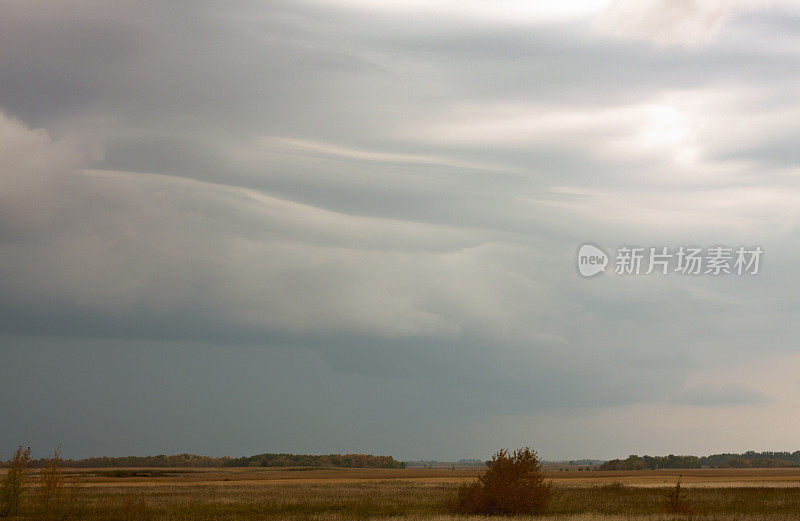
351, 226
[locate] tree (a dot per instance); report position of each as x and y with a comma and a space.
51, 483
677, 502
513, 484
13, 483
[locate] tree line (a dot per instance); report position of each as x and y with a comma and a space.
258, 460
634, 462
749, 459
324, 460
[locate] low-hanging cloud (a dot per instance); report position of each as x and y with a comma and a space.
123, 242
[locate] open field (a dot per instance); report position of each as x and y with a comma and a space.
419, 494
150, 476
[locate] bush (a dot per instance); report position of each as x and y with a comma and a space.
51, 483
54, 499
513, 484
13, 483
677, 502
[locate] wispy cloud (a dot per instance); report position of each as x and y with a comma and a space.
671, 22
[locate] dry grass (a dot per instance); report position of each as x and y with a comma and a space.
183, 497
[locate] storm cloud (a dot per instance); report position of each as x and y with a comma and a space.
372, 211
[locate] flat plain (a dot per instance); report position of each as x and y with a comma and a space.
415, 494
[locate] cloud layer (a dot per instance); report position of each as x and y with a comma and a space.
387, 207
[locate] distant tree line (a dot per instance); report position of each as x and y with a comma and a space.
752, 459
325, 460
582, 462
749, 459
634, 462
466, 462
259, 460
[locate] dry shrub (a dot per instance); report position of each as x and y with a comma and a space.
677, 502
51, 481
14, 482
53, 498
513, 484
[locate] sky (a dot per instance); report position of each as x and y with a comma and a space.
328, 226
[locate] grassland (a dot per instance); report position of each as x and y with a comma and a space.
409, 494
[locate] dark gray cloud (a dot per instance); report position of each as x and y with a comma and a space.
384, 206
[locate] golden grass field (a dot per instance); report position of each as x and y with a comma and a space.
411, 494
104, 477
